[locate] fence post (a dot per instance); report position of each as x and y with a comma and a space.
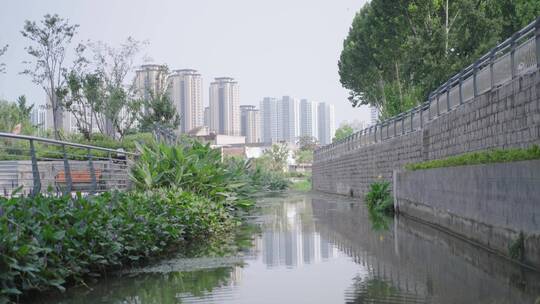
35, 170
461, 87
437, 99
412, 123
491, 63
67, 172
93, 187
448, 87
430, 98
537, 41
512, 55
475, 69
421, 116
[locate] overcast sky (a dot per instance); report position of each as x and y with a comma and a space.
272, 47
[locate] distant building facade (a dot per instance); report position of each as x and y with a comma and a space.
309, 120
290, 119
326, 123
224, 106
150, 79
185, 93
250, 123
207, 116
270, 120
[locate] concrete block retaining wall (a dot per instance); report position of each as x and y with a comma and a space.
507, 116
490, 204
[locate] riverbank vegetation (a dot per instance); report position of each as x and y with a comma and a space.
478, 158
180, 194
379, 198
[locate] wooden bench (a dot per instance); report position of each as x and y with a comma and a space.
81, 180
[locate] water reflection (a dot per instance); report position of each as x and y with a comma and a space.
289, 237
325, 249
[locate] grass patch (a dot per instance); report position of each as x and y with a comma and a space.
477, 158
302, 185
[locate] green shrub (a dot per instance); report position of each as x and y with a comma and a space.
190, 166
379, 199
48, 242
477, 158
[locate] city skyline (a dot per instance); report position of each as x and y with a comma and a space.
312, 75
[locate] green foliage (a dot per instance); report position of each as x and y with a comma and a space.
379, 199
397, 52
193, 167
12, 114
343, 132
303, 156
49, 40
303, 185
48, 242
307, 143
477, 158
516, 250
277, 156
2, 52
161, 111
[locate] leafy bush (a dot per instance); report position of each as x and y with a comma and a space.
483, 157
48, 242
379, 199
192, 167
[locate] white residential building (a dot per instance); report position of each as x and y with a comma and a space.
290, 119
250, 123
225, 106
270, 120
326, 123
150, 79
185, 93
309, 120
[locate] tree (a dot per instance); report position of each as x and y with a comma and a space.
119, 107
158, 108
3, 50
278, 155
15, 113
343, 132
307, 143
80, 97
303, 156
398, 51
159, 111
49, 41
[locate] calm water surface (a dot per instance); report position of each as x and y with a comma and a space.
313, 248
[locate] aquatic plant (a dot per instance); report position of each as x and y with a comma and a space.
49, 242
379, 198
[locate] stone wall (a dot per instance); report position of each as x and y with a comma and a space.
506, 116
490, 204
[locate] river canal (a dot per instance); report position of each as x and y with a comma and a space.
315, 248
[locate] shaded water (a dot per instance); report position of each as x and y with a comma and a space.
313, 248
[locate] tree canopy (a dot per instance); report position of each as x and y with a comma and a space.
343, 132
398, 51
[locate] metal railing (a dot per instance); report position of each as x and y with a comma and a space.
31, 165
518, 55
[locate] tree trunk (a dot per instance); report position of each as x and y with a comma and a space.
399, 87
446, 30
